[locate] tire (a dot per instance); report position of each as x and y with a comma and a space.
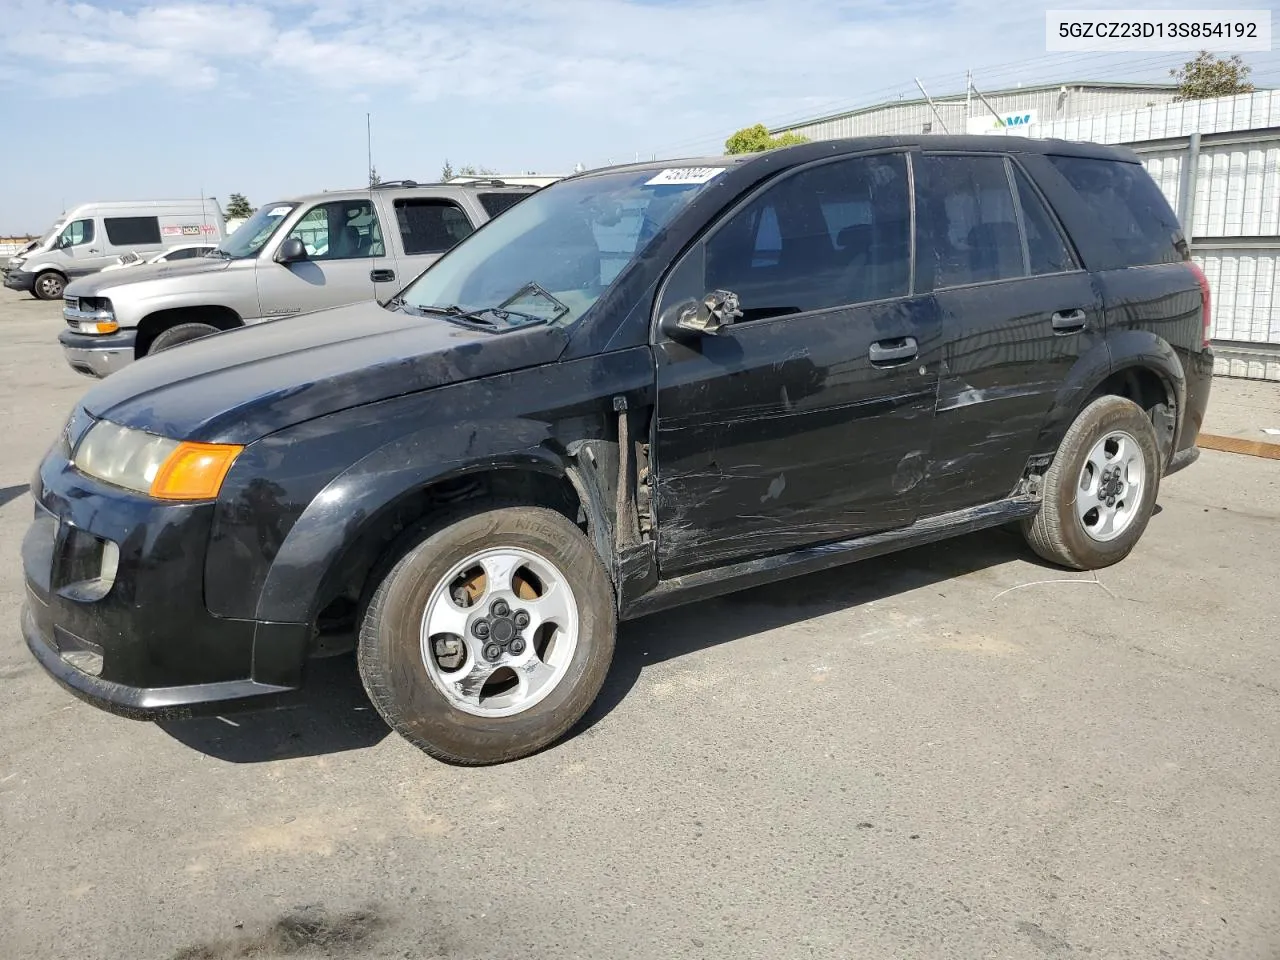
182, 333
49, 285
1068, 530
410, 692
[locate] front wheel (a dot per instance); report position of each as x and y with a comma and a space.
49, 285
491, 637
182, 333
1101, 488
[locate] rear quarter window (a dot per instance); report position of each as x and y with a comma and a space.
495, 203
1128, 206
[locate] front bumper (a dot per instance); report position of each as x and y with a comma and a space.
20, 280
146, 647
98, 355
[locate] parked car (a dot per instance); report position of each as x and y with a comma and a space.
643, 386
94, 235
184, 252
294, 256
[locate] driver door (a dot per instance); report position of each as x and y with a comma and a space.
807, 420
346, 261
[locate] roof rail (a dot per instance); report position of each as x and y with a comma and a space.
397, 183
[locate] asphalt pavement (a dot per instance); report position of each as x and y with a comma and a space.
955, 752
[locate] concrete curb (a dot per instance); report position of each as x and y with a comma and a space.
1250, 448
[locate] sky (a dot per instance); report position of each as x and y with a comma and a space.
124, 99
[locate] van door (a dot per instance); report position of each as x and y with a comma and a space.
346, 261
427, 227
78, 248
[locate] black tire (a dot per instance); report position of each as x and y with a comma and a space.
49, 285
1057, 533
182, 333
389, 652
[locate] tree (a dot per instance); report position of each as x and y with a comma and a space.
1208, 76
374, 179
756, 140
238, 208
446, 172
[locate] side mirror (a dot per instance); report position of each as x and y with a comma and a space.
291, 251
706, 317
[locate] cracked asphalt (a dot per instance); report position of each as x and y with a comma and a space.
953, 752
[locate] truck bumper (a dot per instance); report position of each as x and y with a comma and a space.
98, 356
20, 280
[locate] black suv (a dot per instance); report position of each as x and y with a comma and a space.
642, 386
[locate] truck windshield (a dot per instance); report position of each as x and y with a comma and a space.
569, 240
254, 232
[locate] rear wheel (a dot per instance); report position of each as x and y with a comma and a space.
1100, 489
182, 333
49, 285
491, 637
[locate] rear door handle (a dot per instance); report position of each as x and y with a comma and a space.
382, 276
1069, 320
897, 349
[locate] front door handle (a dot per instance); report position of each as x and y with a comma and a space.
382, 276
1069, 321
893, 351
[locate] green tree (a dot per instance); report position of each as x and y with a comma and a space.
756, 139
468, 170
238, 207
374, 179
1208, 76
447, 172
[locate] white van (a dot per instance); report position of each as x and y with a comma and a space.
93, 235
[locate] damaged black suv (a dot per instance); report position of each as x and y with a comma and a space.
642, 386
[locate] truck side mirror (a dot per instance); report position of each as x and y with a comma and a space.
291, 251
706, 317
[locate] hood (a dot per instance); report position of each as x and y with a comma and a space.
101, 283
239, 386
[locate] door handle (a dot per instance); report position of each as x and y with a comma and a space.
897, 349
1068, 321
382, 276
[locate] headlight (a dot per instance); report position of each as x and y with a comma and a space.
165, 469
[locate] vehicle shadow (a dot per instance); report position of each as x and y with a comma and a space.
9, 494
674, 633
331, 714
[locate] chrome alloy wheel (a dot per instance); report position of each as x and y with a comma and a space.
499, 631
1112, 482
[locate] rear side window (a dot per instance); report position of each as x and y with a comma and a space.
495, 203
835, 234
131, 231
1046, 247
431, 226
975, 236
1129, 206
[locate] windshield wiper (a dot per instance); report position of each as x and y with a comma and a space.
488, 317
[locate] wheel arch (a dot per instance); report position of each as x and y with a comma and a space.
156, 322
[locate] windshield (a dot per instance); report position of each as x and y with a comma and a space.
568, 242
49, 234
250, 236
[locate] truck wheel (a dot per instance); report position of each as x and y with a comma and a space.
49, 285
1100, 489
491, 637
182, 333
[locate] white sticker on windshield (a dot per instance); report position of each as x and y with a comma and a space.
278, 211
684, 175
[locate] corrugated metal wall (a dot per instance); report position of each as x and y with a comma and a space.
912, 116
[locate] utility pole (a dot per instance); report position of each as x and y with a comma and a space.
968, 96
941, 123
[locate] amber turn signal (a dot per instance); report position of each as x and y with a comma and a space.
106, 327
194, 471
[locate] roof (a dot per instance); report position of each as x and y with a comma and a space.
720, 160
437, 189
950, 98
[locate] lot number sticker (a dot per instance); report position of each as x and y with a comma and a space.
684, 175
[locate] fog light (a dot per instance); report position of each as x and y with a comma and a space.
86, 661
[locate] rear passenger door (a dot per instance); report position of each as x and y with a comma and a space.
1017, 311
427, 227
346, 261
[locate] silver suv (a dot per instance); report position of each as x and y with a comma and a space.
294, 256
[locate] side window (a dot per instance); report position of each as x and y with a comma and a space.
1130, 207
975, 235
1046, 247
835, 234
340, 230
132, 231
431, 226
495, 203
76, 233
184, 254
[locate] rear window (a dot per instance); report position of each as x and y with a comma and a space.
1129, 206
495, 203
128, 231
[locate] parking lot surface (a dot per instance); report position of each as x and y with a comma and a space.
953, 752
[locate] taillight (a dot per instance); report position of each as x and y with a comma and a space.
1204, 295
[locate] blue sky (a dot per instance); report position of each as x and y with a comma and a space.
120, 99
